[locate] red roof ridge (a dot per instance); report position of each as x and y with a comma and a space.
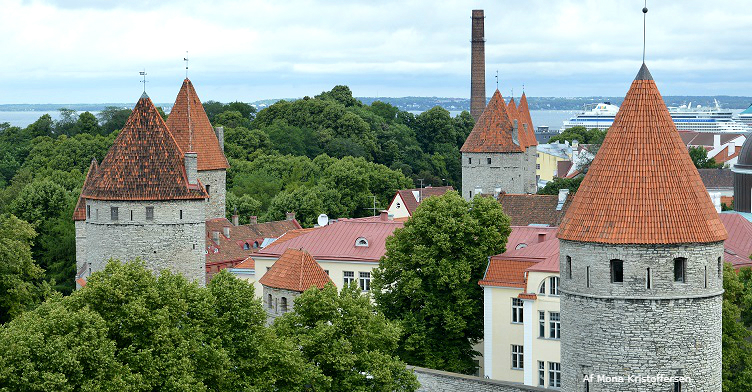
661, 197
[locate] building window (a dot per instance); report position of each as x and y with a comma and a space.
365, 281
114, 213
569, 267
131, 214
553, 283
362, 241
469, 161
517, 357
554, 322
181, 214
521, 245
397, 205
587, 276
349, 277
706, 276
554, 374
283, 304
541, 324
680, 270
326, 272
88, 215
537, 166
542, 289
617, 271
246, 246
269, 301
648, 278
255, 244
541, 373
516, 310
207, 189
149, 213
471, 194
489, 160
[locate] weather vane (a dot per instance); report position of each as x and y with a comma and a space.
143, 73
523, 88
186, 64
644, 22
497, 79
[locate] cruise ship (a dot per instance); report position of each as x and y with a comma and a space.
686, 118
746, 116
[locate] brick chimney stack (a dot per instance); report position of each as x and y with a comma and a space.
478, 66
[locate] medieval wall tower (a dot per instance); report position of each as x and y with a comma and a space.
477, 66
144, 200
193, 132
743, 178
641, 261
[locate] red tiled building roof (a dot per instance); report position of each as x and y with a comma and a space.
144, 163
408, 197
295, 270
738, 246
642, 187
203, 141
493, 130
524, 210
79, 214
524, 111
248, 263
506, 273
509, 269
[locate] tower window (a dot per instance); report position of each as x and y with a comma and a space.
517, 310
706, 276
648, 283
181, 214
680, 270
488, 160
587, 276
469, 161
149, 213
677, 386
283, 304
720, 268
617, 271
88, 212
569, 267
131, 214
269, 301
114, 213
207, 189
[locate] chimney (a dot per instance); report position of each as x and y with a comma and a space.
253, 219
515, 133
477, 66
541, 237
290, 216
191, 167
226, 231
716, 198
215, 236
220, 132
562, 198
235, 220
384, 215
716, 141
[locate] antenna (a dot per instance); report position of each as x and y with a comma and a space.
143, 73
644, 22
374, 205
523, 88
497, 79
186, 64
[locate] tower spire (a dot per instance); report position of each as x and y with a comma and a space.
644, 23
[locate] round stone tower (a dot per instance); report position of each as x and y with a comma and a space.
641, 262
743, 178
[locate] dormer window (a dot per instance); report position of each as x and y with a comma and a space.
255, 244
521, 245
362, 241
246, 246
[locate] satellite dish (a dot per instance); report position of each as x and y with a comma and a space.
323, 220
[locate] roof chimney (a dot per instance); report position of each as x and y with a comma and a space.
541, 237
253, 219
220, 132
290, 216
562, 198
235, 220
215, 236
716, 198
384, 215
515, 133
191, 167
226, 231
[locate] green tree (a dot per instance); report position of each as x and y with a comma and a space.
553, 187
700, 158
244, 206
113, 118
21, 283
353, 346
244, 143
581, 134
87, 123
232, 119
737, 348
428, 278
341, 94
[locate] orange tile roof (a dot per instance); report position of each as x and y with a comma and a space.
524, 111
204, 140
493, 130
295, 270
79, 213
505, 273
81, 282
144, 162
231, 249
527, 296
525, 210
642, 187
248, 263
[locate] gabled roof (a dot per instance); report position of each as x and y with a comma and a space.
295, 270
336, 241
493, 130
525, 210
79, 213
642, 187
411, 203
144, 162
204, 140
524, 111
248, 264
232, 249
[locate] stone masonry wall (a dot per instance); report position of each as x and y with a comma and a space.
217, 181
166, 242
274, 307
438, 381
626, 329
512, 172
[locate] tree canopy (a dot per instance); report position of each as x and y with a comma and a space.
700, 158
428, 278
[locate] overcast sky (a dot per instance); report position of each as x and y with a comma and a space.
91, 51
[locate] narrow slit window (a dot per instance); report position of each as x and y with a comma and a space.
706, 276
181, 214
720, 268
114, 213
587, 276
648, 283
569, 267
680, 270
617, 271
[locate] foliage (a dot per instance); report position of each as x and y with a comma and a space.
700, 158
428, 278
737, 319
581, 134
244, 206
21, 284
113, 118
553, 187
214, 108
352, 346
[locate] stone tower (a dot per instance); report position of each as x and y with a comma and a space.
743, 178
641, 267
144, 200
477, 66
496, 156
193, 132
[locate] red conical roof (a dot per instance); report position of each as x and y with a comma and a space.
642, 187
515, 115
493, 130
524, 111
144, 162
79, 213
204, 141
295, 270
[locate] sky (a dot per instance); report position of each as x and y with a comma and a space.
91, 51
